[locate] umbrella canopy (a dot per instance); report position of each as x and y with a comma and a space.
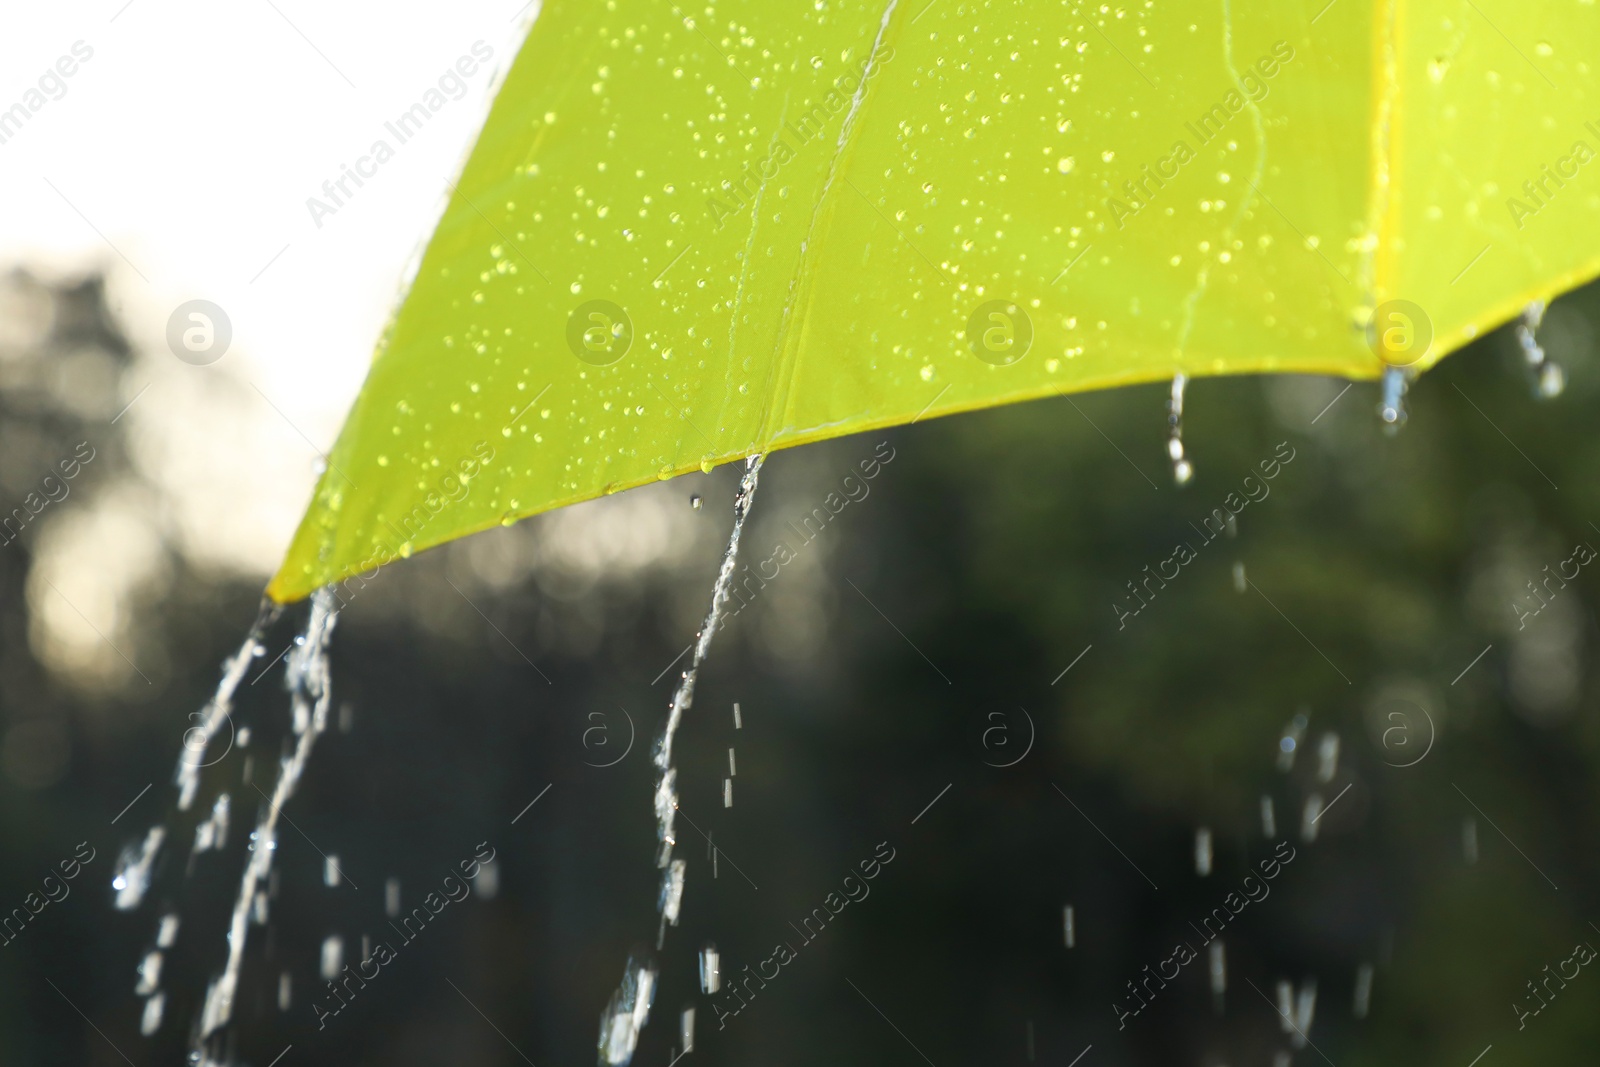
685, 237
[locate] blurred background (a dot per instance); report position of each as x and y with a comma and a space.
1375, 665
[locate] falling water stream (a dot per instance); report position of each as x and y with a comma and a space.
308, 684
309, 692
629, 1009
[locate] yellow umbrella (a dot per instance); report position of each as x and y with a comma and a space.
684, 238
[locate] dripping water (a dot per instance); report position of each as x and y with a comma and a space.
1182, 469
625, 1016
1305, 1007
219, 710
1217, 965
686, 1029
1549, 380
307, 680
1363, 992
1289, 743
1309, 816
1392, 408
710, 969
1327, 757
629, 1008
1202, 851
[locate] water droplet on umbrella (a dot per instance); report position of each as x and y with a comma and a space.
695, 501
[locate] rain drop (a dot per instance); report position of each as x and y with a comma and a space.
1363, 994
1217, 965
332, 956
150, 1021
1327, 757
710, 969
1202, 851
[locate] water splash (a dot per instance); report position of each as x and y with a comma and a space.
1182, 469
1548, 377
307, 679
624, 1018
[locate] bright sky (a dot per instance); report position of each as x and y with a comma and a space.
180, 155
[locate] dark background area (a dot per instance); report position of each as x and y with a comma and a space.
918, 640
